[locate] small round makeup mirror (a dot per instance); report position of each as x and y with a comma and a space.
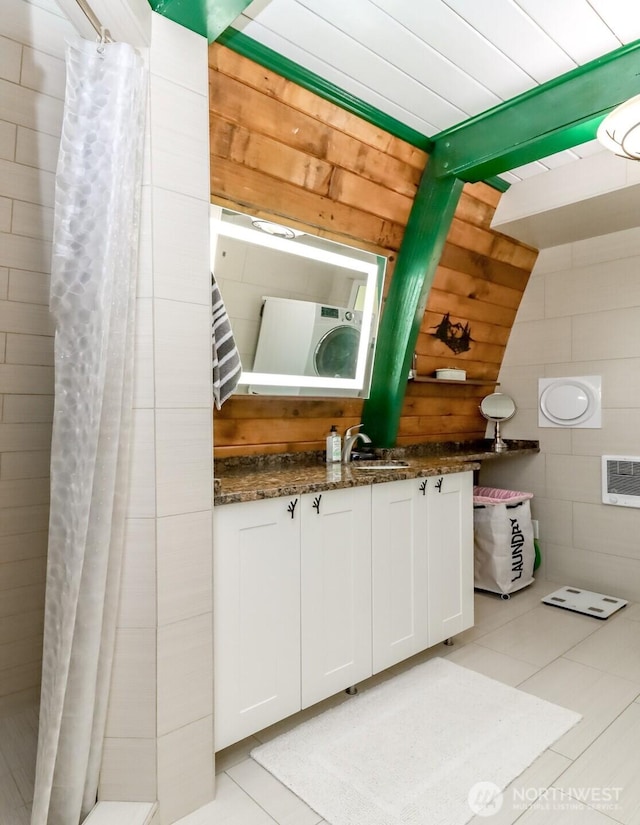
498, 407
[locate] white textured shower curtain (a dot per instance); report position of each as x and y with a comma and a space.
95, 244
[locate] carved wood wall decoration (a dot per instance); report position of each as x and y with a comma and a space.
455, 334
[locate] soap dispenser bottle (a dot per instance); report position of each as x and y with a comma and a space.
334, 446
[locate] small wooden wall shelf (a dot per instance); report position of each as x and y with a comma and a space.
430, 379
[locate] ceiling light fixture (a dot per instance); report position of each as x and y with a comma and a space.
620, 130
276, 229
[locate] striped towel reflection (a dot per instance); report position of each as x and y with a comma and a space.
226, 360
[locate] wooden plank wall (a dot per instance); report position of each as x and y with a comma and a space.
478, 285
281, 152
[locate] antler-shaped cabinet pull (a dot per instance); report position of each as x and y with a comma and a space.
423, 487
316, 503
292, 507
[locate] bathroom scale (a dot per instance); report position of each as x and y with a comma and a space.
585, 601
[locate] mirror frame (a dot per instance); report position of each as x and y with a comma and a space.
374, 274
498, 445
496, 418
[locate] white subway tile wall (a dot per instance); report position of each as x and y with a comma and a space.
183, 461
160, 727
180, 138
582, 317
184, 568
184, 672
182, 353
122, 759
32, 80
185, 780
171, 473
132, 703
189, 247
137, 607
142, 469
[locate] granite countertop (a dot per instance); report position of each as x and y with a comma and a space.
249, 478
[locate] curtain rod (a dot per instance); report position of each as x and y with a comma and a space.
103, 34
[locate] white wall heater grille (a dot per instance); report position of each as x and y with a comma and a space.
621, 480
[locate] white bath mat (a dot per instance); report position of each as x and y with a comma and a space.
425, 748
585, 601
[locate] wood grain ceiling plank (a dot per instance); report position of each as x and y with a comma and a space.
592, 147
393, 45
320, 38
574, 26
325, 69
528, 170
515, 34
444, 30
621, 16
559, 159
509, 177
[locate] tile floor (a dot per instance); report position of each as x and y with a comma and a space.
18, 742
591, 776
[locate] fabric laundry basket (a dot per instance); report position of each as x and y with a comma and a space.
504, 551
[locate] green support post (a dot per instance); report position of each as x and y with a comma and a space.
424, 238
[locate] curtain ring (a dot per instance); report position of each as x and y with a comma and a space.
102, 39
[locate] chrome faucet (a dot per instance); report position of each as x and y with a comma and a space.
350, 440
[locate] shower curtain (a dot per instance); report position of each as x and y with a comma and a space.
97, 204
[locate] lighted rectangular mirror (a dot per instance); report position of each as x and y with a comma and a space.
304, 310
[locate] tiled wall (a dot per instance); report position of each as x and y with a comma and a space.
159, 732
160, 725
31, 95
580, 315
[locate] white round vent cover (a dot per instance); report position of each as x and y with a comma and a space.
570, 402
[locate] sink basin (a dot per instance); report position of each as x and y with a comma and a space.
378, 465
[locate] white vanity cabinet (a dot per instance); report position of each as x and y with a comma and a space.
422, 560
450, 554
335, 591
256, 616
314, 593
399, 571
292, 605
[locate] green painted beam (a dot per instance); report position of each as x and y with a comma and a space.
206, 17
424, 238
497, 183
557, 115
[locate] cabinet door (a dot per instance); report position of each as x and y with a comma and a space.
335, 591
450, 556
256, 613
399, 569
